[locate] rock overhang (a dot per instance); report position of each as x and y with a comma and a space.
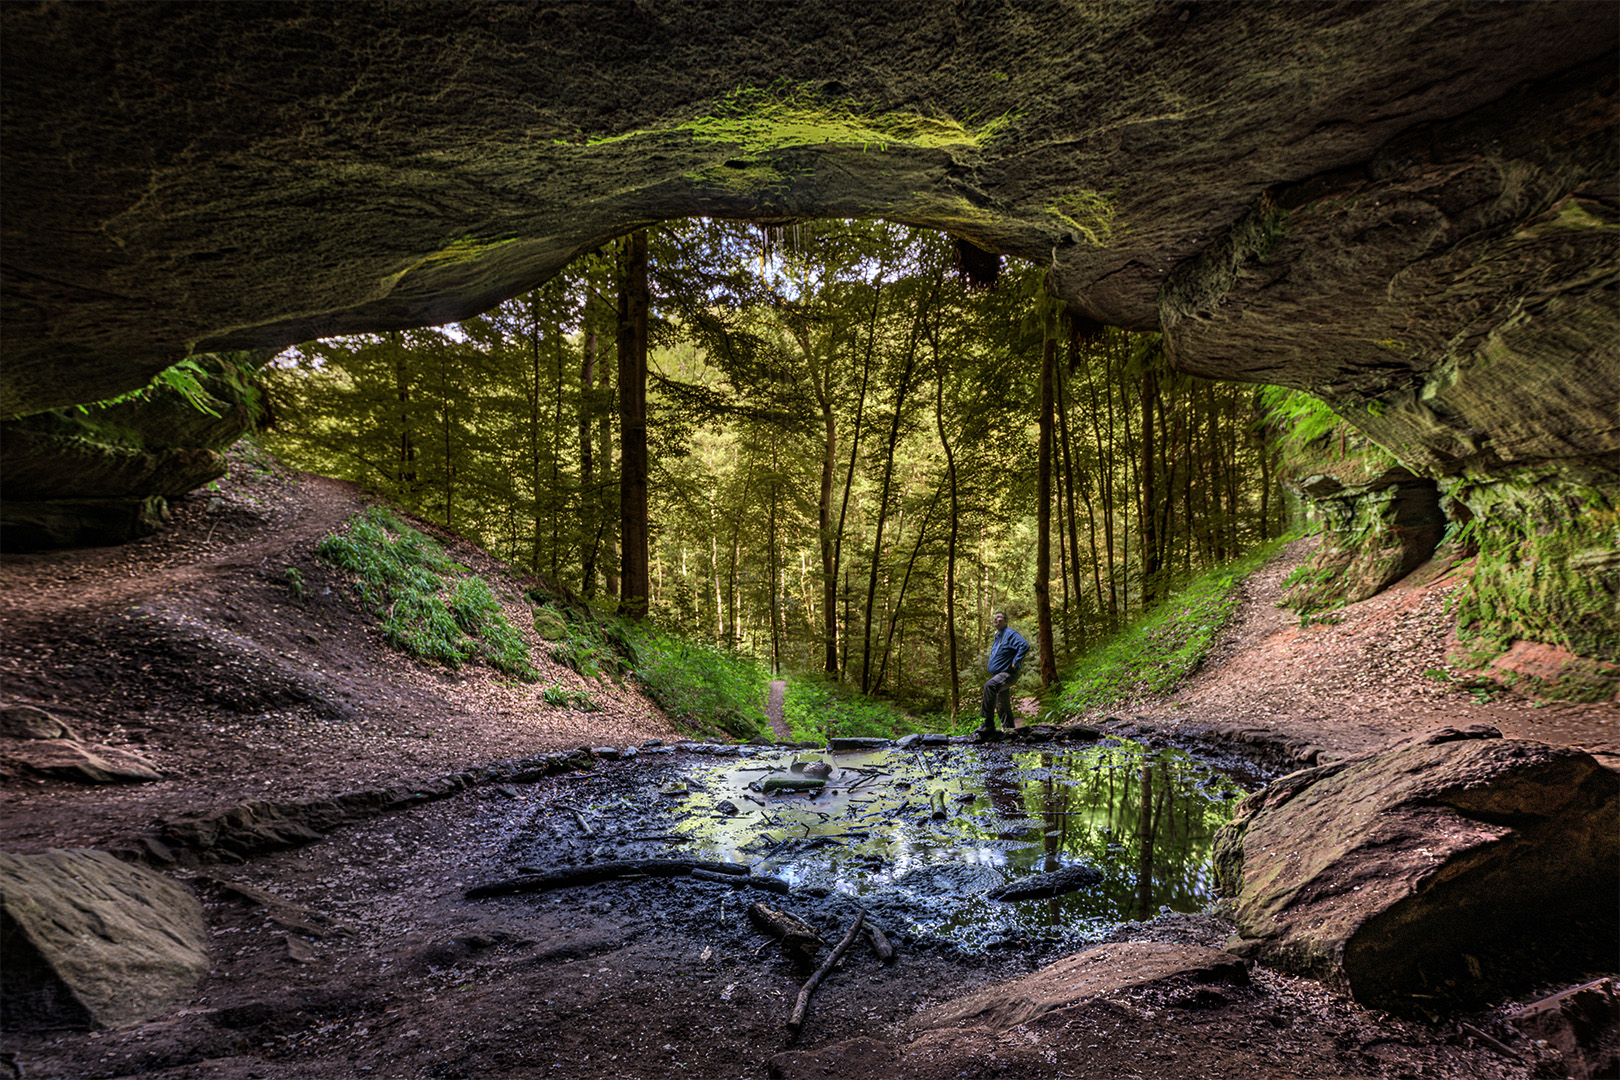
1408, 208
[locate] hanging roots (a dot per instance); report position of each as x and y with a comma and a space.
978, 268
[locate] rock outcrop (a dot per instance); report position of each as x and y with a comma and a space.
33, 739
1406, 207
1447, 870
102, 475
962, 1037
89, 941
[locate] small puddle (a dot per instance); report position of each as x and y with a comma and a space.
1145, 818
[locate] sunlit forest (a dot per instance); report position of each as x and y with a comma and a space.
861, 439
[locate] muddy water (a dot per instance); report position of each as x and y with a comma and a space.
1144, 818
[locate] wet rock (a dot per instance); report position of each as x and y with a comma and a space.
726, 807
1451, 868
607, 753
1076, 979
1066, 879
89, 763
94, 942
845, 744
1033, 733
909, 742
627, 754
27, 722
1078, 733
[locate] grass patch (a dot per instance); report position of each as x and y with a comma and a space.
1158, 652
700, 687
817, 709
430, 606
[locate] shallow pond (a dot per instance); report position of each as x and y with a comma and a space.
1145, 818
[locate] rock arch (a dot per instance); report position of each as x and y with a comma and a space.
1408, 208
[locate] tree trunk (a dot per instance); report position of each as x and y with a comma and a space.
950, 538
1043, 503
633, 303
883, 502
1148, 513
587, 467
854, 450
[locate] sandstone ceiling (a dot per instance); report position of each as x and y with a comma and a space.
1411, 208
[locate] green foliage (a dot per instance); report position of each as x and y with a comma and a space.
184, 378
700, 686
564, 698
1553, 584
1316, 439
403, 577
295, 581
817, 709
1158, 652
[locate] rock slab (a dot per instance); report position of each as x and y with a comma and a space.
89, 941
1448, 870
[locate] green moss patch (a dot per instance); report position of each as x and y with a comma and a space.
430, 606
1556, 583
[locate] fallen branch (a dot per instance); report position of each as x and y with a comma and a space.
880, 943
796, 935
535, 880
765, 882
810, 985
792, 783
579, 816
939, 804
1495, 1044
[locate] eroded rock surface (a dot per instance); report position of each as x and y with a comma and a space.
90, 941
1449, 869
1407, 207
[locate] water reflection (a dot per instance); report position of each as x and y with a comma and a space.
1145, 818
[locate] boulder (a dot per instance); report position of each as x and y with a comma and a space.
69, 759
1445, 871
89, 941
28, 722
1078, 978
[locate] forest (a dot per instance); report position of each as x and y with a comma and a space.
837, 446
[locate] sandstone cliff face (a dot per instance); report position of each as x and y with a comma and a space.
102, 475
1410, 209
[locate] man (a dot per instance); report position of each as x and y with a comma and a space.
1007, 651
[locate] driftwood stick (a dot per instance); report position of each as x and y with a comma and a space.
939, 804
810, 985
579, 816
1494, 1044
765, 882
536, 880
798, 937
880, 943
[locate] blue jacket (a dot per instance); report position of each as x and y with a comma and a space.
1007, 651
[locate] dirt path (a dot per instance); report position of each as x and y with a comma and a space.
196, 649
1372, 674
773, 710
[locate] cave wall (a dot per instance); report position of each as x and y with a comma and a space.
1410, 209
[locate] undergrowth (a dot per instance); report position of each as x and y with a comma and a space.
700, 686
817, 709
1158, 652
430, 606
